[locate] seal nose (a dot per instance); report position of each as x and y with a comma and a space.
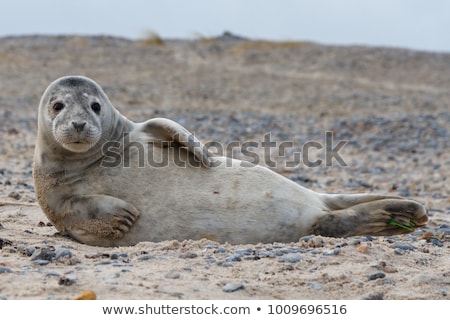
78, 126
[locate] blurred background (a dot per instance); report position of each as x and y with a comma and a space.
413, 24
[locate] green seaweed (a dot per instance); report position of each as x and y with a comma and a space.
398, 224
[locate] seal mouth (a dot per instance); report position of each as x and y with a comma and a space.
78, 146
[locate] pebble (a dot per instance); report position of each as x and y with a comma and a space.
62, 252
224, 264
210, 259
28, 251
14, 195
43, 254
231, 287
145, 257
188, 255
264, 253
5, 270
377, 275
436, 242
173, 275
233, 257
445, 231
290, 257
67, 280
315, 285
399, 251
404, 246
306, 238
244, 251
375, 296
443, 292
335, 251
102, 263
41, 262
52, 274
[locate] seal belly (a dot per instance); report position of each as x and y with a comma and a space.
231, 202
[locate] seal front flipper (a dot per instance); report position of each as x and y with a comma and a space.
96, 219
162, 130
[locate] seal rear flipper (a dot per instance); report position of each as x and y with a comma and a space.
378, 218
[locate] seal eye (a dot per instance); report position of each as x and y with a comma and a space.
58, 106
96, 107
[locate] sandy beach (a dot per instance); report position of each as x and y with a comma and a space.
390, 105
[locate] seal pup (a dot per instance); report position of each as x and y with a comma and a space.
92, 184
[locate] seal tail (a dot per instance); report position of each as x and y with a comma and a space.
366, 214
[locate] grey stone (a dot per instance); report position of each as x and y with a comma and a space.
290, 257
231, 287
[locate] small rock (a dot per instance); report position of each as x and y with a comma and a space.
28, 251
170, 293
427, 235
173, 275
62, 252
264, 253
231, 287
146, 257
244, 251
436, 242
103, 263
188, 255
335, 251
224, 264
399, 251
363, 249
404, 246
316, 242
87, 295
210, 259
220, 250
5, 270
375, 296
41, 262
233, 257
443, 292
14, 195
378, 275
315, 285
43, 254
287, 267
67, 280
290, 257
445, 231
306, 238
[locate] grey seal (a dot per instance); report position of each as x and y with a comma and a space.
113, 198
